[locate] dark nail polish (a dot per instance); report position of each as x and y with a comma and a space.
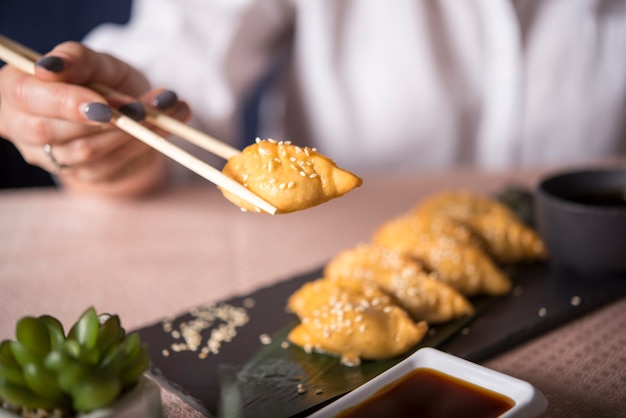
165, 100
51, 63
134, 110
97, 112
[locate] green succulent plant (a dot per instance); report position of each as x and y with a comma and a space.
87, 369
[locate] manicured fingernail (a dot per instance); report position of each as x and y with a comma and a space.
97, 112
51, 63
134, 110
165, 100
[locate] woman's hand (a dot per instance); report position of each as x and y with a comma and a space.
62, 126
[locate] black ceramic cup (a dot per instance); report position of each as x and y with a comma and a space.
581, 216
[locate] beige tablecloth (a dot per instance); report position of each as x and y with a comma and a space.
164, 255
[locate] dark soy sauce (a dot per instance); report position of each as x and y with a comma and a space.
428, 393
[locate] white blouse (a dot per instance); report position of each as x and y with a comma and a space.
396, 84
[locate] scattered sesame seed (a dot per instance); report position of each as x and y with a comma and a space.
265, 339
542, 312
302, 173
223, 321
319, 392
284, 345
165, 352
291, 185
575, 301
465, 331
179, 347
249, 303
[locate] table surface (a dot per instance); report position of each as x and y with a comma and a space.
163, 255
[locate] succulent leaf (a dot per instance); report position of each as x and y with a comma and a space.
86, 328
43, 383
33, 333
73, 377
96, 392
132, 345
89, 355
113, 363
111, 333
55, 328
12, 374
131, 372
71, 348
23, 355
6, 354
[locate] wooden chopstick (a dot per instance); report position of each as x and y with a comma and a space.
24, 59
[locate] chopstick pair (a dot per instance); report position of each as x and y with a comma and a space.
24, 59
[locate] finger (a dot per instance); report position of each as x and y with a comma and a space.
167, 102
161, 99
24, 93
119, 163
35, 155
140, 176
38, 130
80, 151
90, 150
73, 62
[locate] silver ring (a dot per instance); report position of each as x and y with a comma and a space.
47, 149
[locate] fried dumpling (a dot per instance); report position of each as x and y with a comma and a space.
507, 238
289, 177
352, 319
423, 296
449, 249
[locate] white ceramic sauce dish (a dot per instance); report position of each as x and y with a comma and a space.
527, 400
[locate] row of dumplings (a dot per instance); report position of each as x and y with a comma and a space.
376, 300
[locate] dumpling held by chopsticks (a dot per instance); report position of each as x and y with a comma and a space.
289, 177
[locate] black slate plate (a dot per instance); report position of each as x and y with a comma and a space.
268, 375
